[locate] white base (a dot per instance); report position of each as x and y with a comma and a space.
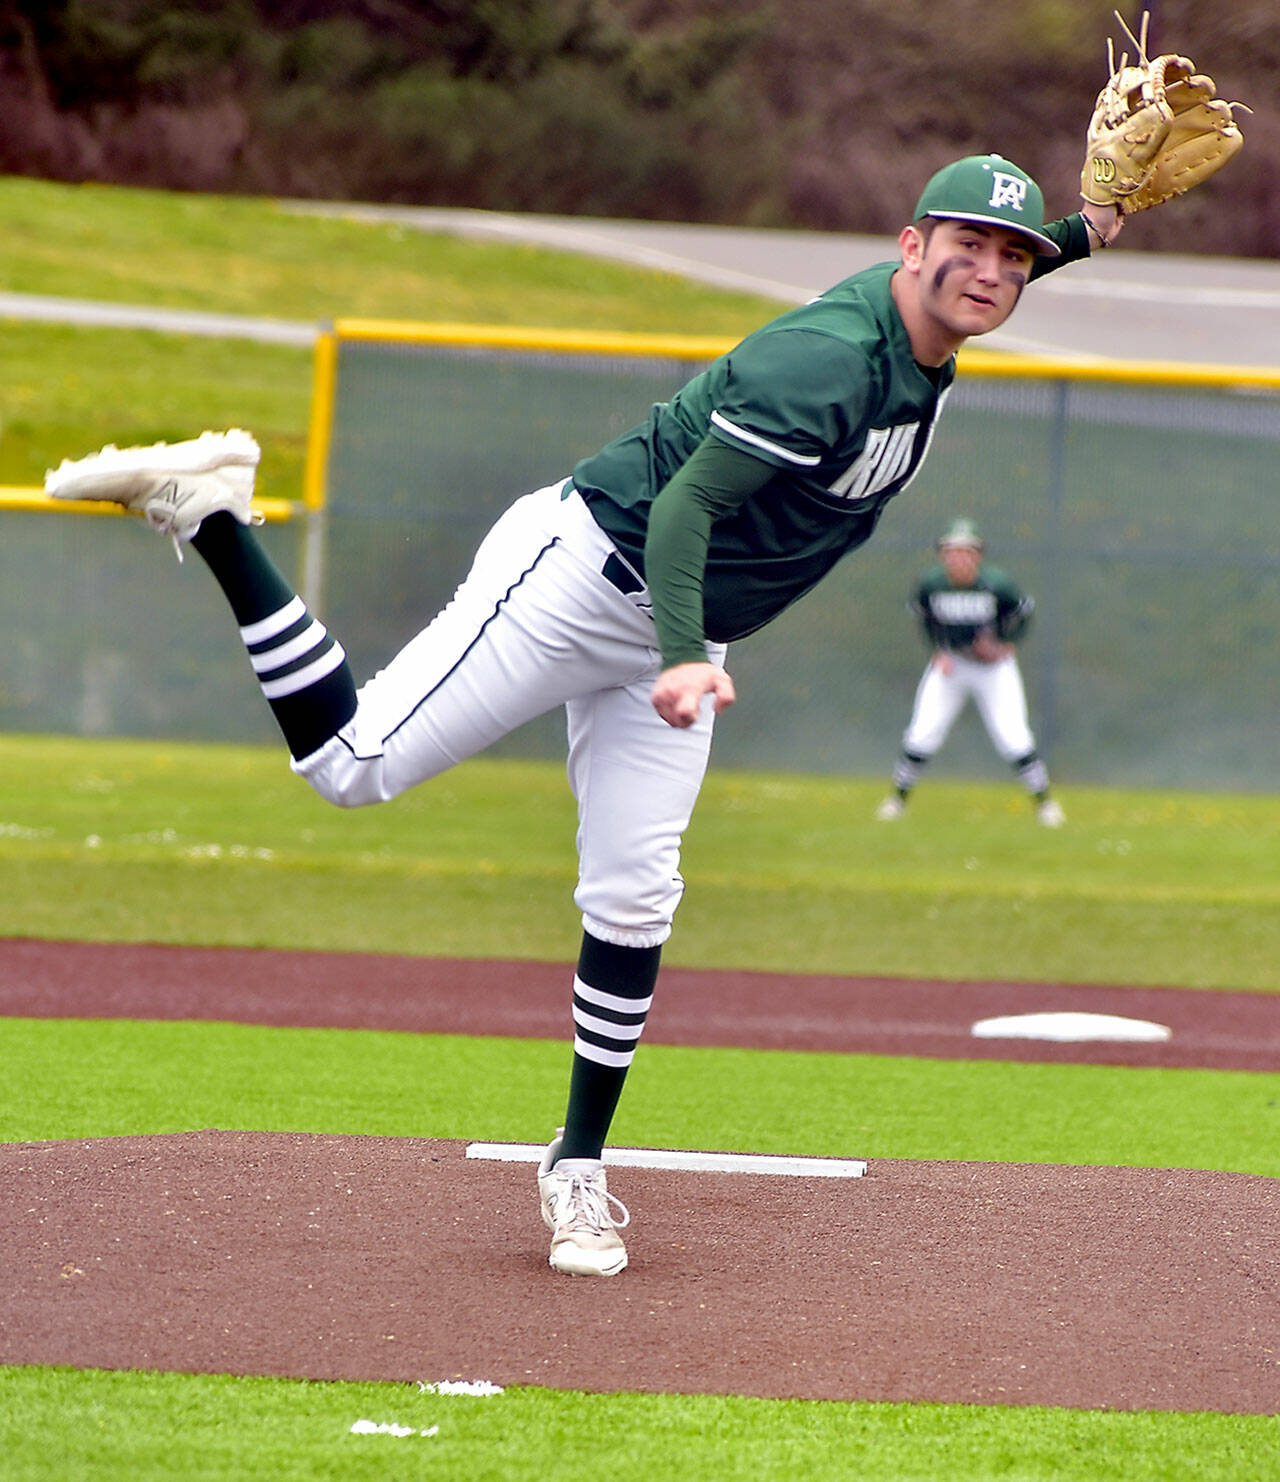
684, 1162
1072, 1028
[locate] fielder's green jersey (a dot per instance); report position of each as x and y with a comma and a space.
830, 397
953, 616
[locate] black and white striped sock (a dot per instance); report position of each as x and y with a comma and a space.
303, 674
1032, 773
612, 993
301, 668
907, 770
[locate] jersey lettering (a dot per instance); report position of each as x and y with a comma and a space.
969, 608
885, 457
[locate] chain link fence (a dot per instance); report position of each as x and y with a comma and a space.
1136, 504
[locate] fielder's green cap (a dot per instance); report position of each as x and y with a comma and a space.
991, 189
961, 532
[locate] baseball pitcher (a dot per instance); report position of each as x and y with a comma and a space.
614, 592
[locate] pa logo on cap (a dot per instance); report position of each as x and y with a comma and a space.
1007, 190
991, 189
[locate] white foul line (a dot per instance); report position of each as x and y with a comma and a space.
685, 1162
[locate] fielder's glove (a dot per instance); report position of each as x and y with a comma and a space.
1157, 129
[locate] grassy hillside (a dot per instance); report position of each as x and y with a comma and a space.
67, 390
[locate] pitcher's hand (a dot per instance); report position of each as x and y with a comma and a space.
678, 691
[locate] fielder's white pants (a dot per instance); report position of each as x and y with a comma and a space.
536, 625
996, 689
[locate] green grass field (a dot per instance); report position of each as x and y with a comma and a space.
112, 841
789, 873
253, 256
161, 1426
117, 841
67, 390
125, 1078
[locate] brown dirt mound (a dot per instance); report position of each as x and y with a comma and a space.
366, 1258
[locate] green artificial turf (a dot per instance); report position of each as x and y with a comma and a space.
121, 1077
130, 841
142, 1427
115, 840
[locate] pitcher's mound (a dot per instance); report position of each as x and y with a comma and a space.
399, 1259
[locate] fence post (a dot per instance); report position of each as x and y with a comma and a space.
1049, 602
315, 491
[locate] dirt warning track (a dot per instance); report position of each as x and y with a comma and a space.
752, 1010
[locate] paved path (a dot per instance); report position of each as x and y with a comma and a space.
1126, 303
40, 309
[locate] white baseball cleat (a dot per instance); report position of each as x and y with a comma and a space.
892, 807
1050, 814
174, 486
576, 1209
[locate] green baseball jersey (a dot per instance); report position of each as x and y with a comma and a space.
831, 399
953, 616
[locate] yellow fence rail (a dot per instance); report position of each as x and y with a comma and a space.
274, 511
701, 348
708, 347
693, 348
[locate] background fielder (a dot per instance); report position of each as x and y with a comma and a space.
972, 615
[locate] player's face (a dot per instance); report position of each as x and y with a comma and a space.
961, 563
972, 275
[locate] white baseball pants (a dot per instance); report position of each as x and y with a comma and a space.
996, 689
537, 624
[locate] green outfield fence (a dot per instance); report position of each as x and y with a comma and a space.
1135, 501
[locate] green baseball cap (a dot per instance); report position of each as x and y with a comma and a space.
992, 189
961, 532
